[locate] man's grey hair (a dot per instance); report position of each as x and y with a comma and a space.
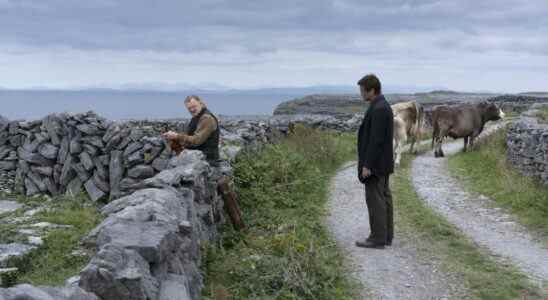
190, 97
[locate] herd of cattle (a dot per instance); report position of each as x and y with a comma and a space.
456, 121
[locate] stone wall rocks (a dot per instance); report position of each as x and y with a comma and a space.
527, 143
110, 158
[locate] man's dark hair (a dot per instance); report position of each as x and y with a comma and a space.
370, 81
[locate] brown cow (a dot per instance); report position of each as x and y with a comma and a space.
408, 120
461, 121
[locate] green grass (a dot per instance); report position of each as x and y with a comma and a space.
52, 263
485, 278
286, 253
485, 170
543, 114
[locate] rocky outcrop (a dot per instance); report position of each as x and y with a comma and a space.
349, 104
527, 143
332, 105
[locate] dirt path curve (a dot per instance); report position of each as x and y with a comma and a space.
476, 216
396, 272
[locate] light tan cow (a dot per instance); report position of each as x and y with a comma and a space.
408, 120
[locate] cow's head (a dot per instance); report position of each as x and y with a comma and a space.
490, 111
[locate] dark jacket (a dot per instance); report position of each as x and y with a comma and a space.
211, 145
375, 145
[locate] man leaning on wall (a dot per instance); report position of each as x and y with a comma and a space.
203, 133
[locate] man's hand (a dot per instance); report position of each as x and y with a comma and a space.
170, 135
366, 172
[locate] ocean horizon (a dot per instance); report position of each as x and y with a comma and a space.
121, 105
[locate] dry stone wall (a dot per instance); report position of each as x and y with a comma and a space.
63, 153
527, 142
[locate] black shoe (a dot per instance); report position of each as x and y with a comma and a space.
369, 244
389, 243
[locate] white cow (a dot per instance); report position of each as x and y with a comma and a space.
408, 120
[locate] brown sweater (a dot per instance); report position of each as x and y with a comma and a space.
206, 126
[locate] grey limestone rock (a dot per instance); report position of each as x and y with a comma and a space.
9, 206
116, 171
118, 273
141, 172
48, 151
93, 191
86, 161
29, 292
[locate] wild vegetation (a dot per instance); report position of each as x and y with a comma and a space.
286, 253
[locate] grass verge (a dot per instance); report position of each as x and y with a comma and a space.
486, 170
543, 114
287, 252
52, 263
485, 278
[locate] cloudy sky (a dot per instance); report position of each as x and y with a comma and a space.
497, 45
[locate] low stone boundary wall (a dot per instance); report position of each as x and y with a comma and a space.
527, 142
63, 153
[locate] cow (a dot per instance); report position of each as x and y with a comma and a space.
461, 121
408, 120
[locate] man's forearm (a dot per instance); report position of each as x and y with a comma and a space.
205, 128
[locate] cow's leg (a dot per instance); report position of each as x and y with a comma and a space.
411, 148
441, 154
396, 149
465, 144
440, 143
401, 144
471, 141
438, 152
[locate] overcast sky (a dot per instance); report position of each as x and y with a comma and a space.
498, 45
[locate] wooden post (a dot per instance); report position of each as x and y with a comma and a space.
230, 203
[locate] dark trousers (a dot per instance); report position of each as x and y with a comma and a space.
379, 204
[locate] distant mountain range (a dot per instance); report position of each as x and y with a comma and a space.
214, 88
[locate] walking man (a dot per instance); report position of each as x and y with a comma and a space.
376, 163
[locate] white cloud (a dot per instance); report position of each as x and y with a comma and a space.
249, 44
